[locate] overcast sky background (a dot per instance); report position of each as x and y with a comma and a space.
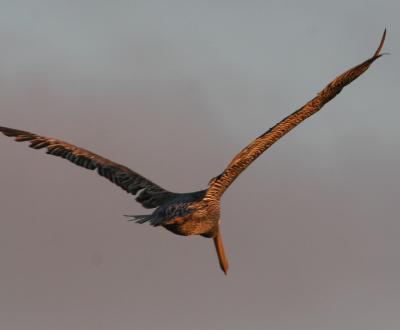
174, 89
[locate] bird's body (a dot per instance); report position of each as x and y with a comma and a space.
186, 214
195, 213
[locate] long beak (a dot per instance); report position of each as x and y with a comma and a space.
223, 261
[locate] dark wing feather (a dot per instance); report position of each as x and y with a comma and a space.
250, 153
151, 195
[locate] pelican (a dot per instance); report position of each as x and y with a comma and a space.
193, 213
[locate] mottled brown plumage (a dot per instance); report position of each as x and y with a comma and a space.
195, 213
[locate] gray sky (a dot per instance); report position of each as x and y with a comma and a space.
173, 89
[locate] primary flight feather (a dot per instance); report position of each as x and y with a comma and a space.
194, 213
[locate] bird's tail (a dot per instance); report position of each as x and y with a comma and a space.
219, 247
139, 218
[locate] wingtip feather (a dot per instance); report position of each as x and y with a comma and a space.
378, 50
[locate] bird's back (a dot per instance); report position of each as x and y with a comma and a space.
177, 207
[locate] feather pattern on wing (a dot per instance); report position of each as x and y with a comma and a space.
219, 184
150, 196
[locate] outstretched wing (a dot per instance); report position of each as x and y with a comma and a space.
151, 195
250, 153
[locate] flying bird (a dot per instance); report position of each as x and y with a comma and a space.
193, 213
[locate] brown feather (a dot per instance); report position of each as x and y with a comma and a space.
151, 195
250, 153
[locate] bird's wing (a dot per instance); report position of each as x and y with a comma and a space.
150, 196
219, 184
